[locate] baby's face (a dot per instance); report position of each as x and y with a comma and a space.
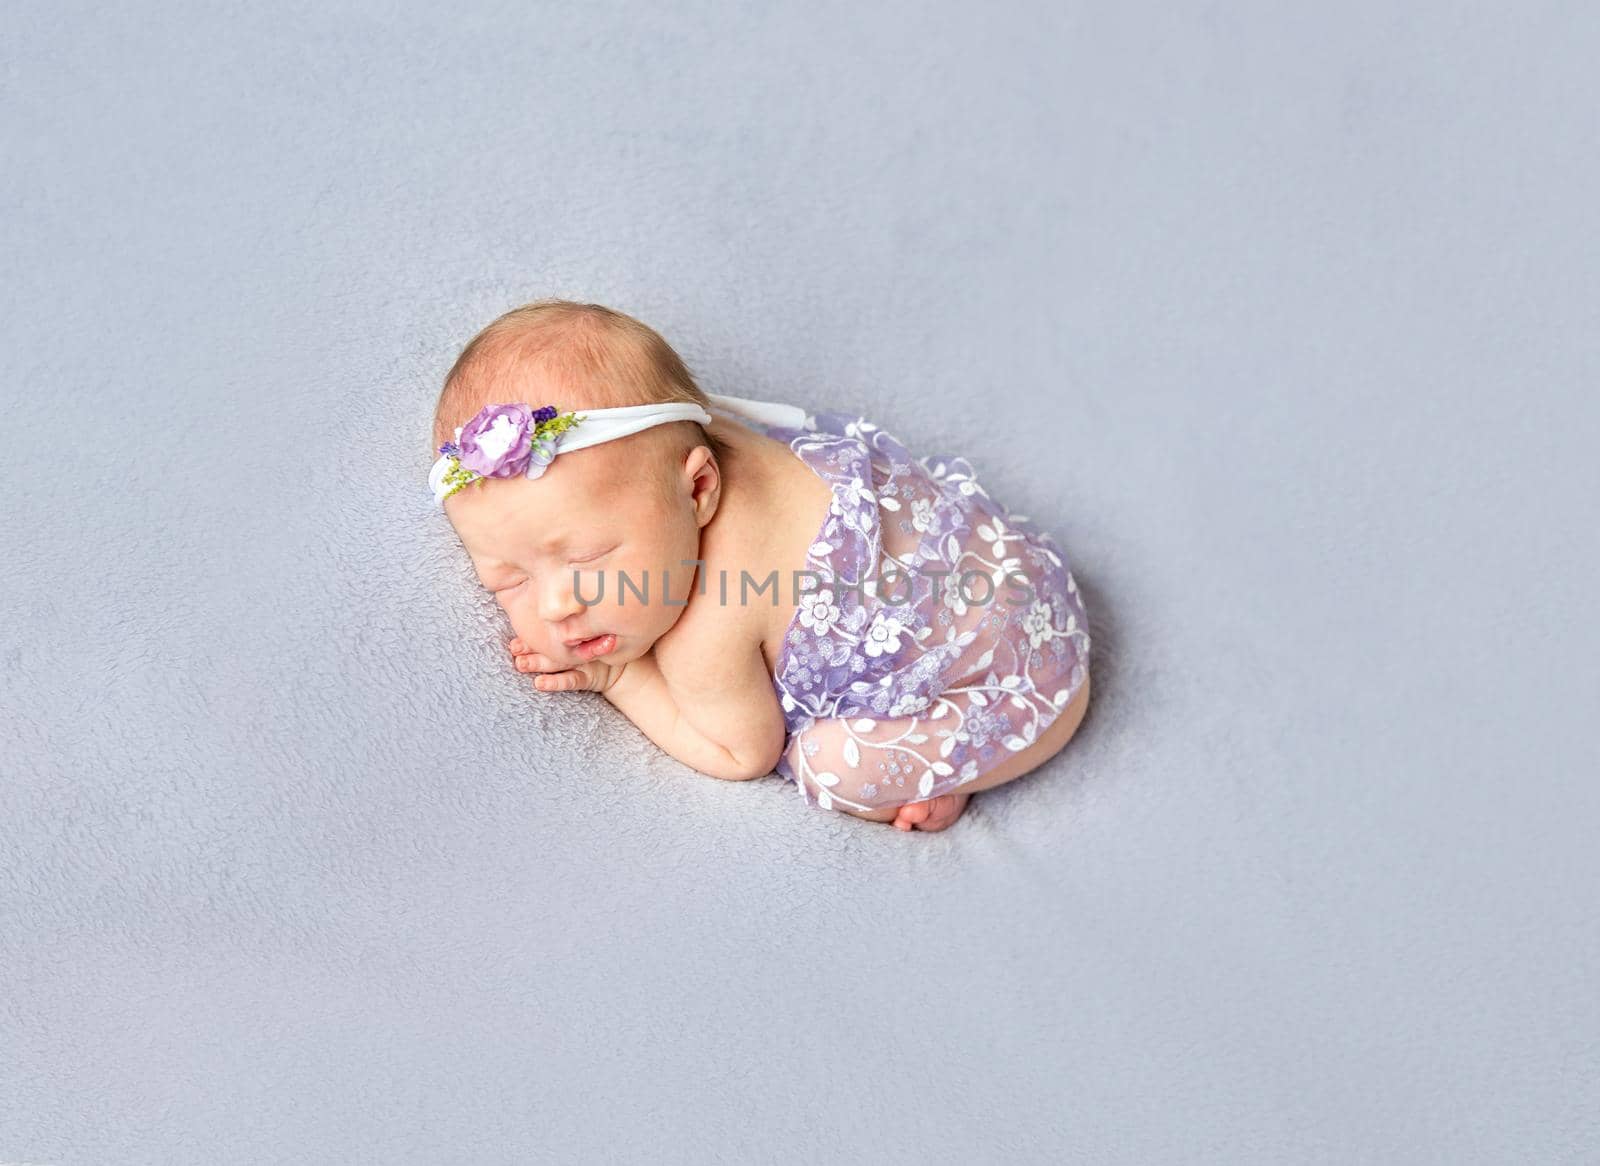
553, 550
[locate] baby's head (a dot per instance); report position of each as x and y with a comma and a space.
547, 547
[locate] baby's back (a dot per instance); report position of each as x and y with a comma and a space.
771, 508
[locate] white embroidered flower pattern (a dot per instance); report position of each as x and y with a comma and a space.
883, 635
951, 595
1037, 623
907, 703
818, 611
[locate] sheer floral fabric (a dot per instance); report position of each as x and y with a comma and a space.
937, 633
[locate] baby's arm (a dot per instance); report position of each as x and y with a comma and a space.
722, 718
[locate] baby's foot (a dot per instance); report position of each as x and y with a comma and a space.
933, 814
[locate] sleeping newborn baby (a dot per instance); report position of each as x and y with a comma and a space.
757, 587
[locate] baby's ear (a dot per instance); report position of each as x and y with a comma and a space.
705, 474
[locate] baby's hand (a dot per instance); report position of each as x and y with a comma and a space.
553, 677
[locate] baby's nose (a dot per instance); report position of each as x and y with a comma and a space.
558, 601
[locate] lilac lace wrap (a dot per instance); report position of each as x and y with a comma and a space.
912, 686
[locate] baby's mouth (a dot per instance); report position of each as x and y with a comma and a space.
595, 645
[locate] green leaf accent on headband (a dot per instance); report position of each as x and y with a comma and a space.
557, 424
457, 477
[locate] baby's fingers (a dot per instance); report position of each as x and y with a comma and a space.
550, 675
533, 662
571, 680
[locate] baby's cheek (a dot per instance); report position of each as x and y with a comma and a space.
533, 636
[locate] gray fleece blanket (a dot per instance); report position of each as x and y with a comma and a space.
1282, 320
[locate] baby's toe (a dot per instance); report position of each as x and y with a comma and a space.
944, 811
911, 815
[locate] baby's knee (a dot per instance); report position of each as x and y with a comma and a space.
844, 803
866, 766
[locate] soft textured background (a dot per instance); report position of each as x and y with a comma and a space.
1286, 321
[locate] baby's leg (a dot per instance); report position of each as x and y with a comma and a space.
870, 768
818, 758
940, 812
887, 814
861, 765
1050, 742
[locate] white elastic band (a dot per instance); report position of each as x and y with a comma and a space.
625, 420
767, 412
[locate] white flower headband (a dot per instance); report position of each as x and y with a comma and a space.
505, 440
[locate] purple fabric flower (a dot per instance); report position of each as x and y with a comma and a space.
496, 443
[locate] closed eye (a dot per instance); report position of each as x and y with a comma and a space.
591, 557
